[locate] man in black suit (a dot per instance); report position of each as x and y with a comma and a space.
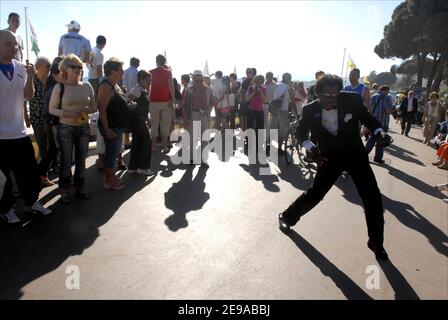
408, 110
333, 122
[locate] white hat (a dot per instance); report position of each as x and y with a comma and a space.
197, 73
73, 25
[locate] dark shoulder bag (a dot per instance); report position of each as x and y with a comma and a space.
54, 120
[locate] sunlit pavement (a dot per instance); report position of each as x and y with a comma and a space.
198, 233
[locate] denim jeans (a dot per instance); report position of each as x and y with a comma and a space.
113, 147
379, 150
69, 137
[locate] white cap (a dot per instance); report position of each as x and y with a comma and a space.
73, 25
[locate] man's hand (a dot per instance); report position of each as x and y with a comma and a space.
317, 156
30, 70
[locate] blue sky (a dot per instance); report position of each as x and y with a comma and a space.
299, 37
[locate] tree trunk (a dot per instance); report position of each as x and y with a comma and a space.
439, 75
435, 65
421, 59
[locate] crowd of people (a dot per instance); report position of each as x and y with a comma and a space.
139, 109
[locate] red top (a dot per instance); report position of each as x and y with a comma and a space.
160, 91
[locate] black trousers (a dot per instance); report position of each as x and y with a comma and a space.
51, 153
18, 158
141, 146
359, 169
255, 120
406, 122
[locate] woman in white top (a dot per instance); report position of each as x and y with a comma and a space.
431, 116
73, 129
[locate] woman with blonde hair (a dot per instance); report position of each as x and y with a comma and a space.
71, 101
431, 116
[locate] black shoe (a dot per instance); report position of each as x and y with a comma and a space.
379, 251
406, 135
379, 160
122, 167
283, 225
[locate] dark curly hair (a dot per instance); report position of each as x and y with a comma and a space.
328, 80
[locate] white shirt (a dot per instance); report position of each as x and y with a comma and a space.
410, 104
282, 89
12, 125
97, 60
330, 120
75, 43
130, 78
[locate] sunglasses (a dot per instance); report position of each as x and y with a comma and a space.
329, 95
75, 67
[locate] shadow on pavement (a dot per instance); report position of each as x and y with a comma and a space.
268, 180
403, 154
347, 286
401, 287
45, 243
404, 213
186, 195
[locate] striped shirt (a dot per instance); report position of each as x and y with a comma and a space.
380, 103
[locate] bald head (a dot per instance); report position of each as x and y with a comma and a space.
8, 46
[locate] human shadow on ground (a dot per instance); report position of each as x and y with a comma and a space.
186, 195
44, 243
403, 154
347, 286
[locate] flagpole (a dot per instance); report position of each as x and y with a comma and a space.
343, 61
26, 33
346, 74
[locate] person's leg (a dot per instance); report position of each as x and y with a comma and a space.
155, 110
409, 123
81, 149
41, 140
66, 142
404, 117
7, 159
113, 147
144, 159
52, 152
165, 123
205, 139
365, 182
26, 172
370, 143
135, 148
325, 177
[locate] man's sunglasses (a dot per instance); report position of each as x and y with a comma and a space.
329, 95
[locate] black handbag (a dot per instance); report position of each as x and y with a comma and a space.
54, 120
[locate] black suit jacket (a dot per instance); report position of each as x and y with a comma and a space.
348, 140
404, 105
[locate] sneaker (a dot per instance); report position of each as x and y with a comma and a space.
379, 160
11, 216
131, 171
40, 208
445, 200
442, 187
146, 172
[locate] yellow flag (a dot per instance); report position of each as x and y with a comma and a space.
351, 65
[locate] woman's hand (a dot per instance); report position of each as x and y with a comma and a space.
110, 134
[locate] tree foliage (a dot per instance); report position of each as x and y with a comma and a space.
418, 34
